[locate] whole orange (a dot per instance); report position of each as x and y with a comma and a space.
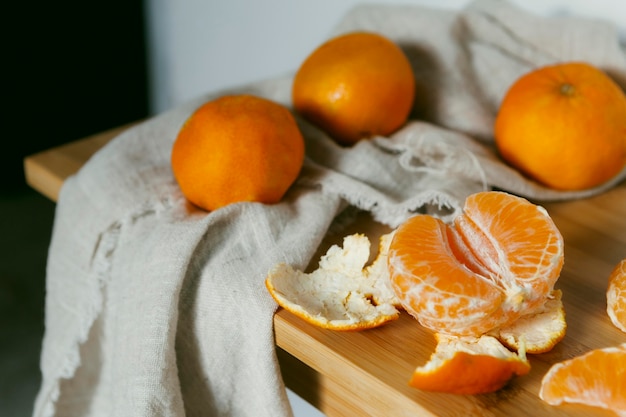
355, 86
237, 148
564, 125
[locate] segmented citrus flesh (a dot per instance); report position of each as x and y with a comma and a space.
596, 378
497, 262
616, 296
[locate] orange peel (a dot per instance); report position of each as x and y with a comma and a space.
469, 365
539, 331
343, 293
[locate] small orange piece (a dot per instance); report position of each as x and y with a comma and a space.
498, 262
354, 86
596, 378
237, 148
469, 366
564, 125
616, 296
539, 331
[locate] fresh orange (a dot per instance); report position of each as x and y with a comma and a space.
354, 86
499, 261
474, 365
596, 378
616, 296
237, 148
564, 126
343, 293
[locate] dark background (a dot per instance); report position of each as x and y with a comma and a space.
71, 69
74, 68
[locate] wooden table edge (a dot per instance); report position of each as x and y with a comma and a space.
46, 171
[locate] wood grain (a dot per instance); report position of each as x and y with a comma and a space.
45, 171
366, 373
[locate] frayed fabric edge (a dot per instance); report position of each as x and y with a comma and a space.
101, 266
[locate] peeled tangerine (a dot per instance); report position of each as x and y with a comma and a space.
342, 294
482, 283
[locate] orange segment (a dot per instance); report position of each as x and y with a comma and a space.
342, 294
497, 262
596, 378
616, 296
440, 293
516, 241
469, 366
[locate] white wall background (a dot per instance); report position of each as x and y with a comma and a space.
200, 46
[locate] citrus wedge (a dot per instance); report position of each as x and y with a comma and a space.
616, 296
498, 262
596, 378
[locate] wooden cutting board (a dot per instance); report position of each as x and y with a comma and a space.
366, 373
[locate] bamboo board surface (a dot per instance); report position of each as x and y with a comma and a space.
366, 373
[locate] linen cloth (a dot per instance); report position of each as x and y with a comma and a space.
155, 308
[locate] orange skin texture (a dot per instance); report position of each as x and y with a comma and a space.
468, 374
564, 126
237, 148
355, 86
